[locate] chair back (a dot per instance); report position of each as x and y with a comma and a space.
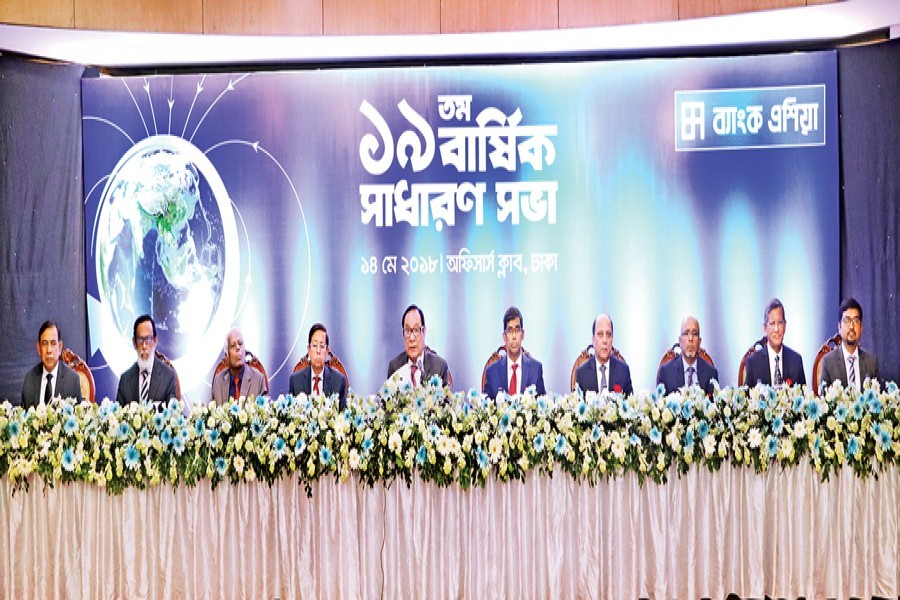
500, 353
251, 360
585, 356
675, 351
165, 360
331, 361
829, 345
85, 377
742, 370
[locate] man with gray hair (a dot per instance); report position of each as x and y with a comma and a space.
237, 381
775, 364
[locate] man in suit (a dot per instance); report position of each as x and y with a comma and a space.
49, 378
318, 378
775, 364
148, 379
416, 364
604, 372
238, 380
848, 363
516, 371
688, 369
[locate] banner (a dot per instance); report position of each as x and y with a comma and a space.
645, 189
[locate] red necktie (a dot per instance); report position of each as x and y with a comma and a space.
317, 385
412, 373
513, 381
237, 388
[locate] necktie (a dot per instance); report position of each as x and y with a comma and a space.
514, 381
48, 391
690, 380
778, 379
237, 389
412, 373
316, 389
145, 385
603, 384
852, 379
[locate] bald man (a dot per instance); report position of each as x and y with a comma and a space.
604, 372
238, 380
688, 369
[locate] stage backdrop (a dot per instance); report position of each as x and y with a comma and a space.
648, 189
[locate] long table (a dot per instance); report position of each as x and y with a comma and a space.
783, 533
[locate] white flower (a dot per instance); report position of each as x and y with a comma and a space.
353, 459
754, 437
495, 449
395, 442
709, 445
618, 446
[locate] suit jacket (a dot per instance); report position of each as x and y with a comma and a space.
757, 369
333, 382
834, 368
532, 374
619, 375
671, 375
162, 384
252, 384
432, 364
68, 385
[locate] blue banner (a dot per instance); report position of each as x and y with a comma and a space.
270, 201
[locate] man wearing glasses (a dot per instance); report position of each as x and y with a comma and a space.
148, 379
318, 378
417, 364
604, 372
848, 363
516, 371
238, 380
50, 378
688, 369
775, 364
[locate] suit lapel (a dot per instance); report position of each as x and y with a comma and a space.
504, 372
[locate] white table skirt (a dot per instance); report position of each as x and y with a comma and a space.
783, 534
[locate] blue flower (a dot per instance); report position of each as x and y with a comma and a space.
763, 405
166, 437
891, 387
68, 459
300, 446
433, 432
655, 436
673, 405
817, 445
595, 434
420, 403
687, 410
234, 409
325, 456
538, 443
199, 427
504, 422
687, 440
67, 409
541, 405
772, 445
798, 403
482, 458
278, 447
773, 395
358, 422
435, 381
858, 409
634, 440
406, 388
421, 455
132, 458
840, 413
885, 440
260, 401
853, 446
124, 431
312, 430
71, 426
213, 437
702, 429
178, 445
368, 443
404, 420
221, 466
777, 426
560, 446
874, 405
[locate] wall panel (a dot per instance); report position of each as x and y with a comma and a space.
374, 17
597, 13
171, 16
261, 17
464, 16
45, 13
692, 9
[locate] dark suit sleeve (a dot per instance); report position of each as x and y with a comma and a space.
491, 388
122, 396
28, 392
70, 384
539, 386
627, 388
294, 385
342, 391
714, 374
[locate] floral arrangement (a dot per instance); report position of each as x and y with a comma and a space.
450, 438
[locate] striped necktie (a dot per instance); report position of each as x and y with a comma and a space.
145, 385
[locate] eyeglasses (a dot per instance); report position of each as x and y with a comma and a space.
853, 320
410, 332
514, 330
140, 341
690, 333
318, 346
48, 343
774, 324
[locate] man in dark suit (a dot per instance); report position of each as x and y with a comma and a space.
49, 378
238, 380
515, 371
848, 363
775, 364
148, 379
417, 364
604, 372
319, 378
688, 369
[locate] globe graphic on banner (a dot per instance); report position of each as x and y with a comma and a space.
166, 246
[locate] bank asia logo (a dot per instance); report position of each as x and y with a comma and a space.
166, 244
